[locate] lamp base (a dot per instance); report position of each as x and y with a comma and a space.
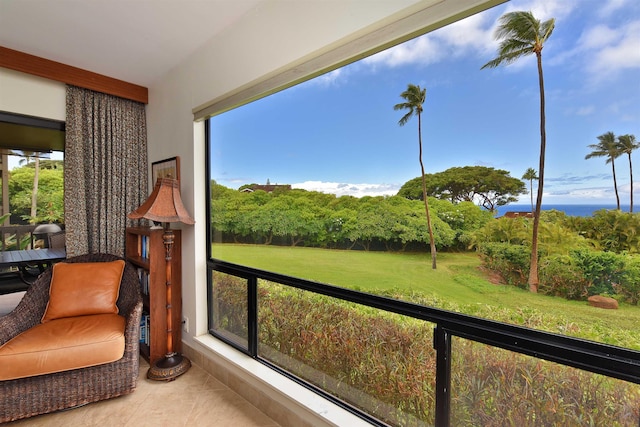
170, 367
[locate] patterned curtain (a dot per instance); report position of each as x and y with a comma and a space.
105, 173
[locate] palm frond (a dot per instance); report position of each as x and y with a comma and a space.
508, 58
414, 96
403, 121
627, 143
518, 25
607, 147
547, 28
521, 34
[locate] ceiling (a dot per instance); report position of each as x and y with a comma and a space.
137, 41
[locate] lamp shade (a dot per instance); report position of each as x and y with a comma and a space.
164, 204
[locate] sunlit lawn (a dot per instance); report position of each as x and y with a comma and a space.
457, 284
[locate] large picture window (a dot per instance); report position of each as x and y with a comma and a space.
322, 182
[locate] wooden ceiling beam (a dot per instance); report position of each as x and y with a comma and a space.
23, 62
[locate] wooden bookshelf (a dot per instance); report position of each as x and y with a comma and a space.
145, 250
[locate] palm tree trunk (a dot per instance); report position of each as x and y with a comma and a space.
615, 182
531, 192
631, 177
533, 267
34, 193
424, 196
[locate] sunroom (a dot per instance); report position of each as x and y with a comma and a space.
187, 61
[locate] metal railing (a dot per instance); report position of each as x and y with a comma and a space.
16, 237
610, 361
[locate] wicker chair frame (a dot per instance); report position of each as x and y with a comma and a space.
26, 397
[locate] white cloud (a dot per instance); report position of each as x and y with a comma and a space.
606, 50
470, 36
612, 6
422, 50
347, 189
597, 37
474, 33
624, 189
331, 78
597, 195
622, 52
545, 9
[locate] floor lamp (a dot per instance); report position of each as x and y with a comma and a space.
164, 205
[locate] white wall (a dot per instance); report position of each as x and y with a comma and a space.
267, 39
34, 96
274, 36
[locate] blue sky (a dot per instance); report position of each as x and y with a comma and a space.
339, 133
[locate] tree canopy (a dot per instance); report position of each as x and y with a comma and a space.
485, 185
50, 197
298, 217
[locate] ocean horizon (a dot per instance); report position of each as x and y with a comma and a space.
571, 210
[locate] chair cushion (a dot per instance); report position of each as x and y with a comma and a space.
79, 289
63, 344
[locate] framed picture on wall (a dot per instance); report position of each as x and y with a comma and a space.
167, 168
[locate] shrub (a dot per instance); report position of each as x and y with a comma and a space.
503, 230
601, 269
560, 276
629, 286
511, 261
509, 389
610, 230
576, 276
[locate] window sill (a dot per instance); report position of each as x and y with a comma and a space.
255, 382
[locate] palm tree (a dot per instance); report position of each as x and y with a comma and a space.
530, 174
28, 155
626, 144
414, 98
521, 34
607, 147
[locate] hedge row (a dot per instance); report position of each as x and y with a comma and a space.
385, 364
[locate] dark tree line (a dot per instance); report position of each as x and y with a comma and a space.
309, 218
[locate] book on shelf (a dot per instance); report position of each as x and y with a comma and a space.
143, 332
144, 246
143, 276
144, 329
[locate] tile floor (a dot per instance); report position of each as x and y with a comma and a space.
194, 399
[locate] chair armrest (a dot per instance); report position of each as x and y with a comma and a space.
29, 311
132, 325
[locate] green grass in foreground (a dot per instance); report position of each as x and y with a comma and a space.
457, 285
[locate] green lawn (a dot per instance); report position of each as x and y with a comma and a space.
457, 285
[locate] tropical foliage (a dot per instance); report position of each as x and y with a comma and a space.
50, 193
608, 230
308, 218
579, 256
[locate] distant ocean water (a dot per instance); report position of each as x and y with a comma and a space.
571, 210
